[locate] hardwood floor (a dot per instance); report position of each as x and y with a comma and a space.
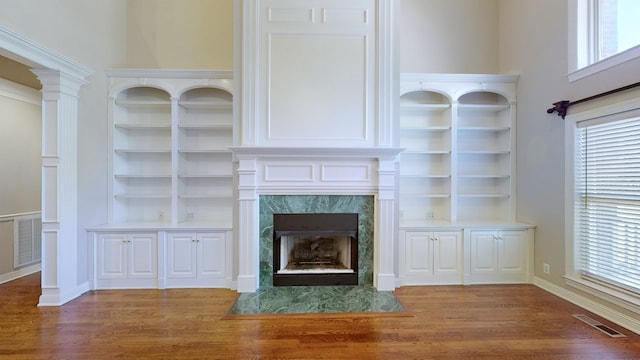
445, 322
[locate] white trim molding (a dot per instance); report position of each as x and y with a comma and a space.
599, 309
16, 274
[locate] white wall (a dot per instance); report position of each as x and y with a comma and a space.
20, 149
169, 34
449, 36
539, 54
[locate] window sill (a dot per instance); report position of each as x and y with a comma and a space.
605, 64
619, 298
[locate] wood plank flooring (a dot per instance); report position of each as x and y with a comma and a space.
445, 322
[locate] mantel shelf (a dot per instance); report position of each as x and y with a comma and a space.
143, 126
261, 152
425, 129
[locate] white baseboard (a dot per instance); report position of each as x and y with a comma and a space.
247, 283
20, 273
597, 308
386, 282
53, 296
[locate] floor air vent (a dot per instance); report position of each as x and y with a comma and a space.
604, 328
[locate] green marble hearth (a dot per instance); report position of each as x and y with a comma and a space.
363, 298
316, 299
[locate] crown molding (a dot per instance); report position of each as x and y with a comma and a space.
21, 49
170, 73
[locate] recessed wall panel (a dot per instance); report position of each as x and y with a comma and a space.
317, 88
346, 173
288, 172
290, 15
346, 16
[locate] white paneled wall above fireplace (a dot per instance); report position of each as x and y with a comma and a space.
317, 73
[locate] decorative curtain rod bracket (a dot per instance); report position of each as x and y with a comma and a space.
562, 106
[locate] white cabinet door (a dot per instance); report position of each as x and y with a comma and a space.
484, 252
447, 256
499, 256
433, 258
512, 252
126, 260
196, 259
112, 256
181, 255
418, 254
211, 255
143, 256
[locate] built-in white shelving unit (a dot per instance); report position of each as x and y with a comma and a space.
170, 157
457, 176
458, 132
204, 169
171, 183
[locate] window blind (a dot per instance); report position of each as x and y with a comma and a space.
608, 202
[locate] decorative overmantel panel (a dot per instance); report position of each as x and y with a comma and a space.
318, 73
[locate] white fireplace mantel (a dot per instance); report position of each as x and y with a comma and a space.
316, 171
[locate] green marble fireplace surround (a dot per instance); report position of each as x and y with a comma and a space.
363, 205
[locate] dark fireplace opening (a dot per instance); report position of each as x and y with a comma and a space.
315, 249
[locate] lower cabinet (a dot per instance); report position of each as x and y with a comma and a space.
196, 259
461, 255
159, 259
432, 257
127, 260
500, 256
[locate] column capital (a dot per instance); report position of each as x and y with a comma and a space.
56, 81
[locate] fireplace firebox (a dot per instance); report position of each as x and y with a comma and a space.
315, 249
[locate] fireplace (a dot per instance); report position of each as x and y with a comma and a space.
315, 249
316, 180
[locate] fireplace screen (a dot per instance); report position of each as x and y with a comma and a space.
315, 249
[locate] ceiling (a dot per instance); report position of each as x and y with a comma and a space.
19, 73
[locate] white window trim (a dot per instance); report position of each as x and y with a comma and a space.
582, 33
572, 275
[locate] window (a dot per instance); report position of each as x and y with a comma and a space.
605, 33
603, 184
618, 28
608, 203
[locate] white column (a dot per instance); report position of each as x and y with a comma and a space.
385, 232
248, 231
59, 187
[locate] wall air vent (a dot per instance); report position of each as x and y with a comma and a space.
27, 240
